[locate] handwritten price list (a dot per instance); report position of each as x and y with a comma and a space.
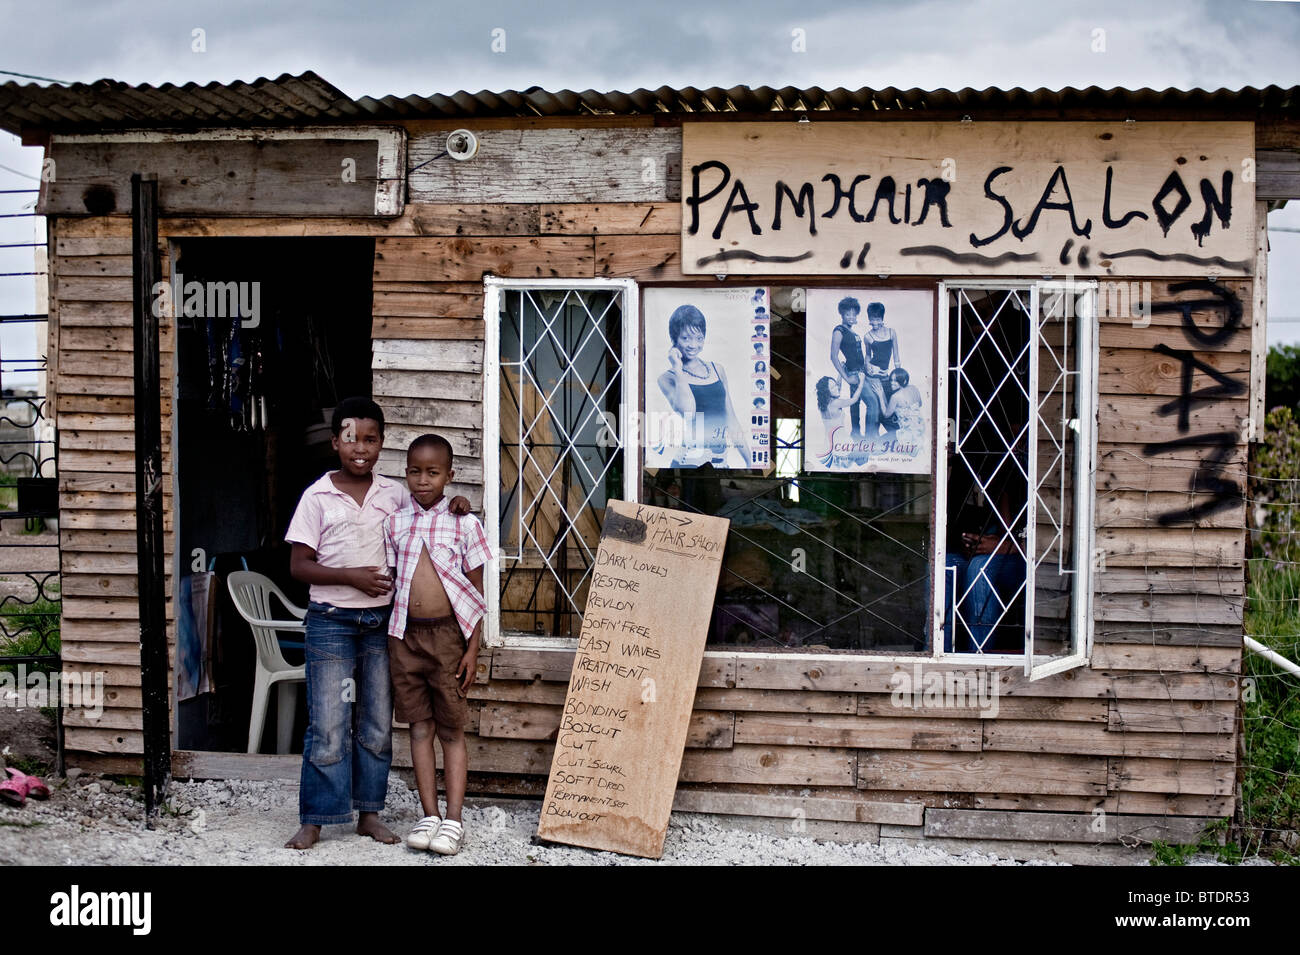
623, 728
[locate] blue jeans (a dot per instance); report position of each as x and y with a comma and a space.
990, 583
349, 742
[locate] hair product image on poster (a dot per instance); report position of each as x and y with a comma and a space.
868, 389
706, 369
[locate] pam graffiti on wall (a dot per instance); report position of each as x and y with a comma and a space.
1211, 475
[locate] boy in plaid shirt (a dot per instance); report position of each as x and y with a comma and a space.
434, 632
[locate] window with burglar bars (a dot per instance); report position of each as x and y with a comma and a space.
559, 403
984, 558
1016, 492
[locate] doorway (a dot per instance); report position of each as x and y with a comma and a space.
270, 335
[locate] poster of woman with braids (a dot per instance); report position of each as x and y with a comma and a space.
868, 391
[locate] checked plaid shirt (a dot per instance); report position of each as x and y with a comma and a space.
456, 546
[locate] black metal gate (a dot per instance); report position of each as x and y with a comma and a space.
30, 592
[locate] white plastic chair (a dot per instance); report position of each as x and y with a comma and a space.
252, 594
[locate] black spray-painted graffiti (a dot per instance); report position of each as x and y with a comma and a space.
1216, 447
796, 207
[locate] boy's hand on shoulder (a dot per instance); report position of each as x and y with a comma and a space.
459, 506
371, 581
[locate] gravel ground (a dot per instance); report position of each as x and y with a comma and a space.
89, 820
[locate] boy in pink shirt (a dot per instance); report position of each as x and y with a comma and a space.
338, 548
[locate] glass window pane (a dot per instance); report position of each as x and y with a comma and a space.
834, 561
561, 458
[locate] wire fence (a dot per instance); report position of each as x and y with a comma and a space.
1270, 752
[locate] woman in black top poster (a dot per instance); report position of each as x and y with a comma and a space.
697, 390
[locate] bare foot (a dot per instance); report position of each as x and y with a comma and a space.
368, 824
304, 838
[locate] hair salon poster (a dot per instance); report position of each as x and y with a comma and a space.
708, 389
867, 402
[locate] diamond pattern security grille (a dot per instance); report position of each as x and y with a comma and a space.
1012, 389
1059, 397
561, 449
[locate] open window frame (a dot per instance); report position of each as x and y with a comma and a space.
1066, 440
626, 437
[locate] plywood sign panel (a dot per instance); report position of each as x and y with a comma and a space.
955, 198
623, 729
587, 165
308, 171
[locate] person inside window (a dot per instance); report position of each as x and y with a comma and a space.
985, 555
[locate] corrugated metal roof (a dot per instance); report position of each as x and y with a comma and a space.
538, 102
307, 98
109, 104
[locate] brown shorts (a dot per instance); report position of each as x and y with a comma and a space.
424, 666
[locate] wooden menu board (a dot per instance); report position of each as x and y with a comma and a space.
623, 728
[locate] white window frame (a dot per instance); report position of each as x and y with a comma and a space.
1085, 456
493, 287
1085, 471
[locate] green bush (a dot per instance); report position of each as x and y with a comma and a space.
1282, 382
36, 631
1274, 490
1164, 853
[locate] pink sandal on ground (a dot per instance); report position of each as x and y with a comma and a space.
18, 786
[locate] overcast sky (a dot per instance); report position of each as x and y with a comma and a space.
378, 48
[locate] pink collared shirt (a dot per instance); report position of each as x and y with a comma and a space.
344, 534
456, 546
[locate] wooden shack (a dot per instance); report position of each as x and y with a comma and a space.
1108, 247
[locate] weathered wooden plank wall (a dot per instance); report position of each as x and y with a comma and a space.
95, 414
1149, 729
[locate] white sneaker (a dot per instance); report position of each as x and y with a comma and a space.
423, 833
450, 837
